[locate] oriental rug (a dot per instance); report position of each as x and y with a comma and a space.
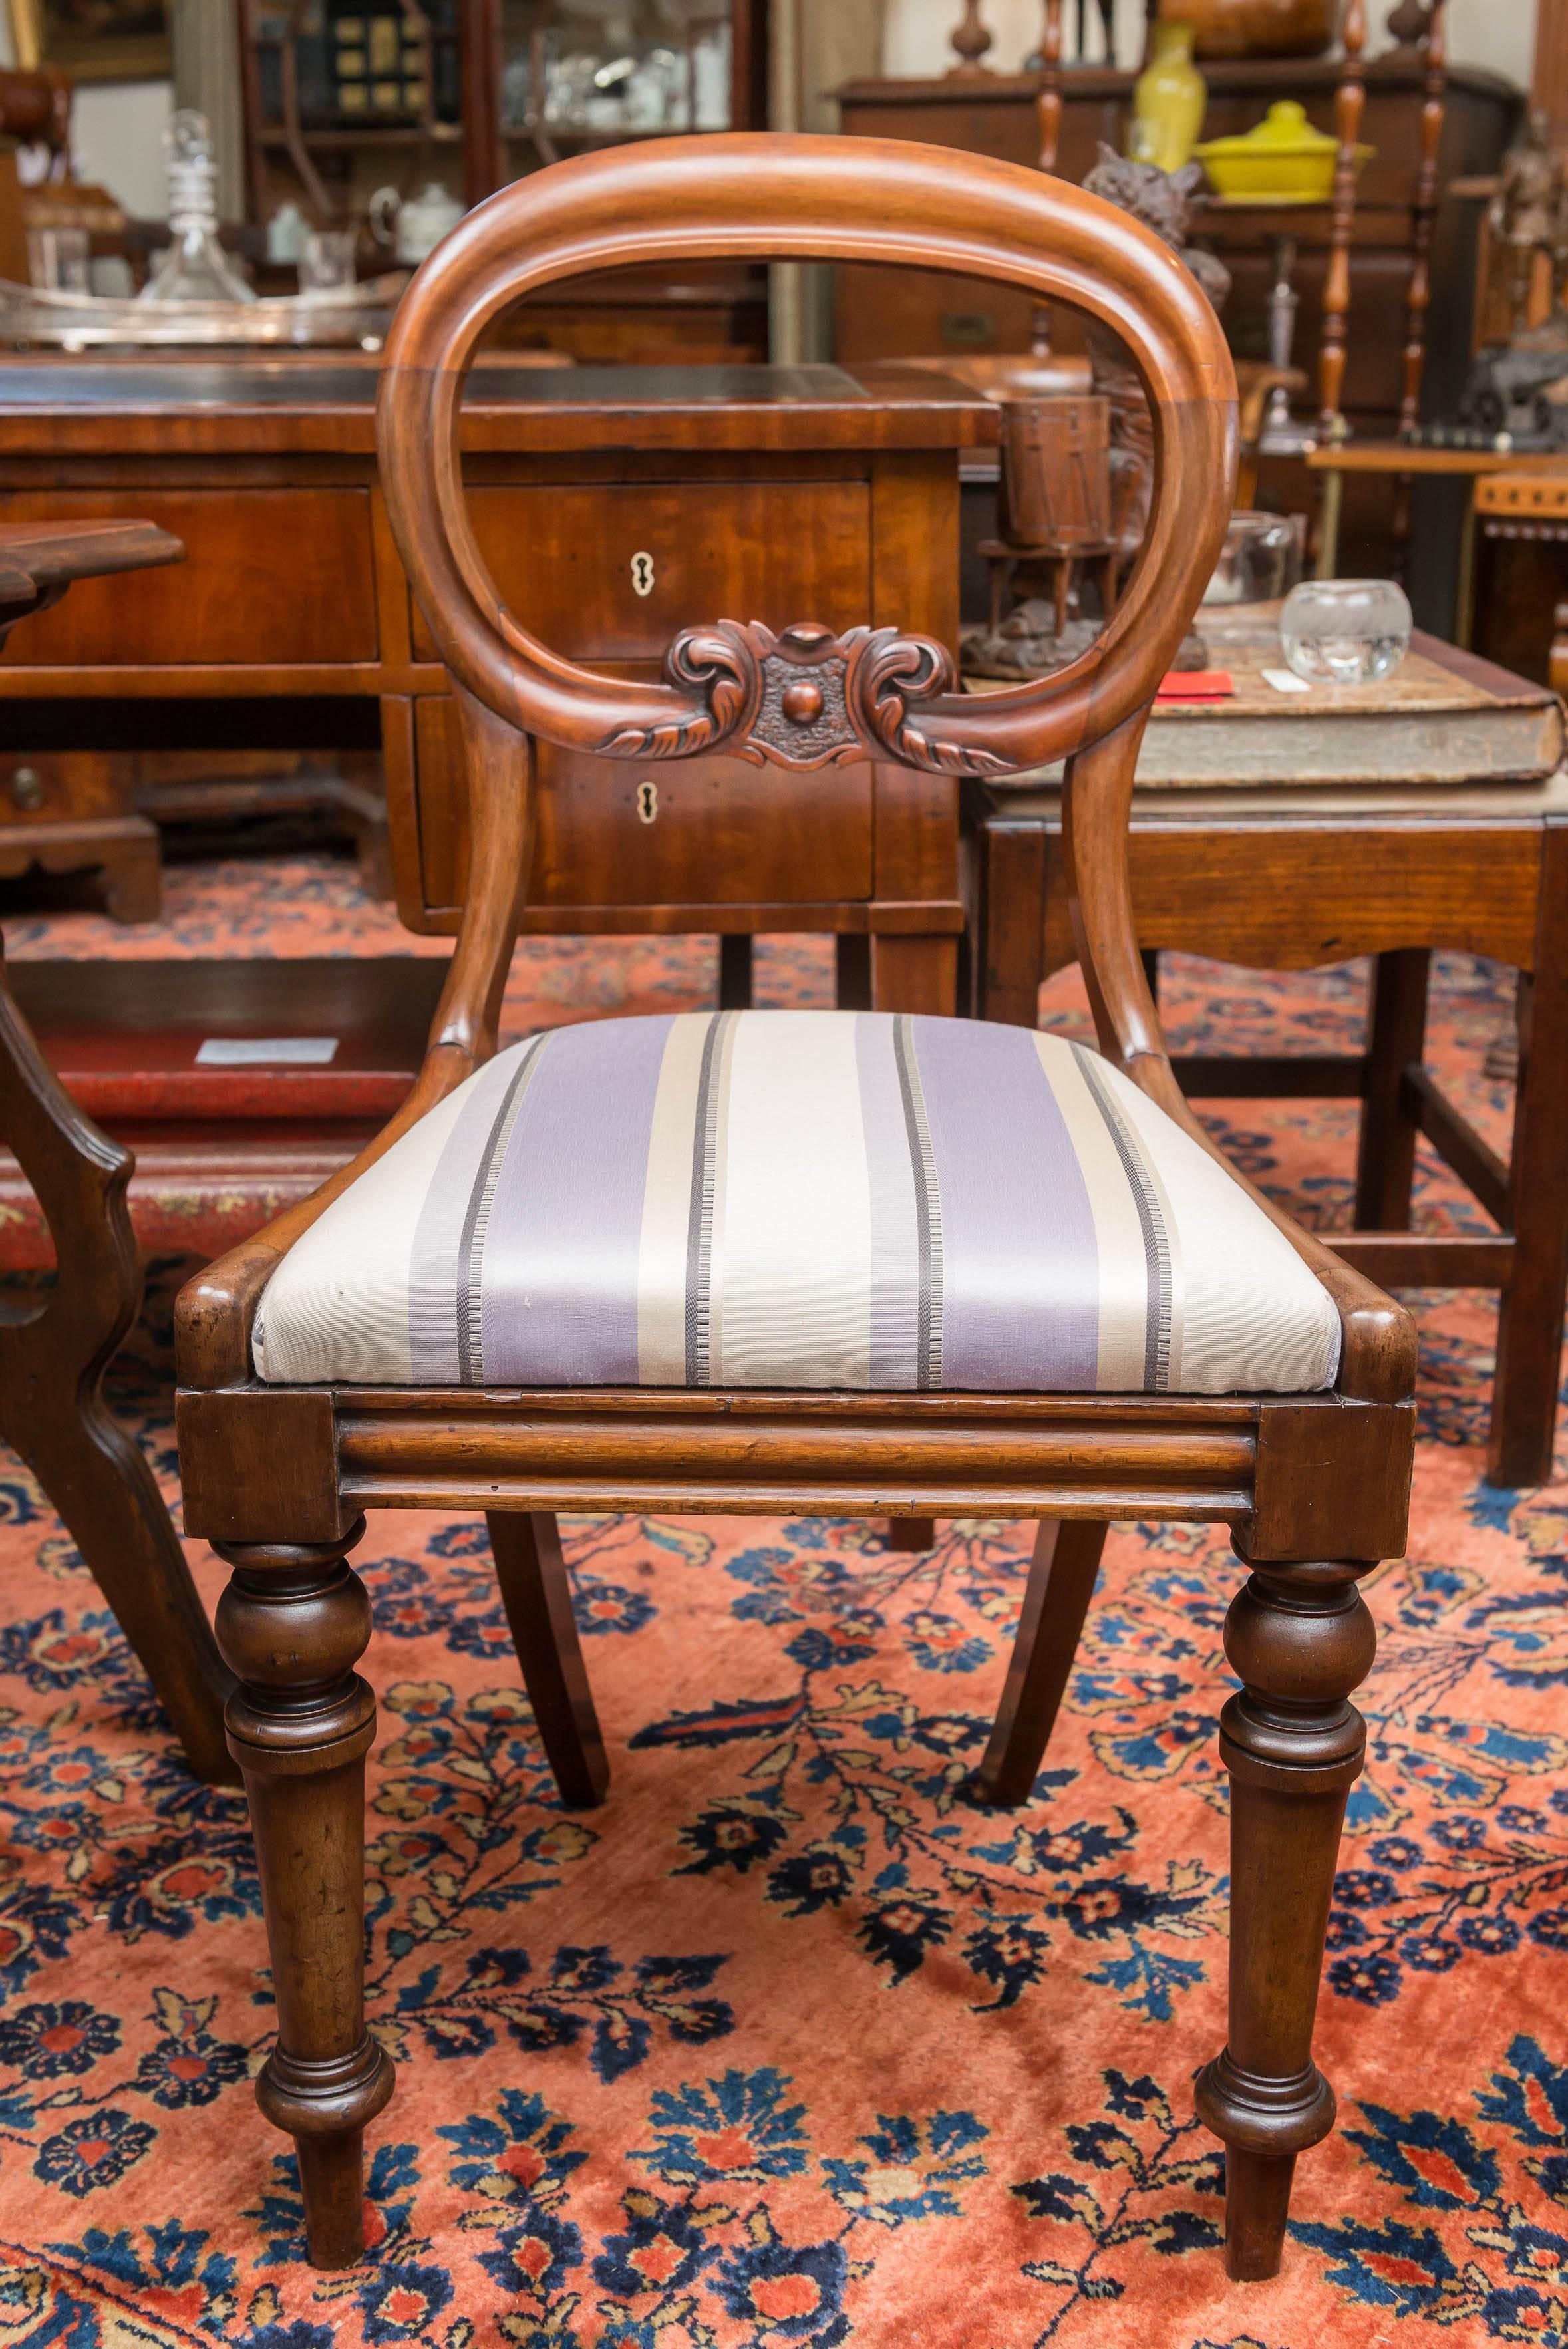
790, 2043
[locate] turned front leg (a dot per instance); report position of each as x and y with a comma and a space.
1301, 1639
292, 1623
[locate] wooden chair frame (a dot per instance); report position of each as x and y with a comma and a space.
1315, 1489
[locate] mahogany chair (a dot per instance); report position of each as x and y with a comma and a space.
780, 1262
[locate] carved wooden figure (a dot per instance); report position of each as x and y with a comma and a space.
1312, 1485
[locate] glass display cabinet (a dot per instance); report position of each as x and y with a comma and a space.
345, 100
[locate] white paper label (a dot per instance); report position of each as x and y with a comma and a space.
1285, 680
251, 1052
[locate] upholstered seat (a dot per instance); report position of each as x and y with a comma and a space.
799, 1199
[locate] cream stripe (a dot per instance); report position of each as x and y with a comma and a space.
666, 1207
792, 1258
337, 1306
1123, 1277
729, 1025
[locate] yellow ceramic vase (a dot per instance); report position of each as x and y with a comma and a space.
1167, 101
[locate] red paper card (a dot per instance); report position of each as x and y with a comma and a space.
1195, 685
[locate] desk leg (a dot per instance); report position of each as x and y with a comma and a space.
734, 972
852, 970
52, 1407
1396, 1038
1530, 1321
915, 974
1009, 947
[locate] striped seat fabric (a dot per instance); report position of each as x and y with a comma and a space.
797, 1199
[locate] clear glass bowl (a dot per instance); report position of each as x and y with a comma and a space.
1345, 631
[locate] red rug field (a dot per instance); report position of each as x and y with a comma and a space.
791, 2044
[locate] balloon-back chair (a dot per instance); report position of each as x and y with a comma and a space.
840, 1263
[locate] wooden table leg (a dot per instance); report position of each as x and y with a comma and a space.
1395, 1036
51, 1402
852, 970
1009, 925
1530, 1322
915, 974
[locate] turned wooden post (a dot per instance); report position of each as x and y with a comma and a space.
970, 38
292, 1623
1049, 104
1049, 123
1423, 213
1349, 103
1300, 1637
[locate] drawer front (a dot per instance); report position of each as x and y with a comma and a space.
62, 786
607, 573
688, 832
278, 575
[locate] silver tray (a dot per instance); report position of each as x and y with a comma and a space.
34, 316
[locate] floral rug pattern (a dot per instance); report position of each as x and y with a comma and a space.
792, 2042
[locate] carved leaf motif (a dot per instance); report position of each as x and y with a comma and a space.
805, 698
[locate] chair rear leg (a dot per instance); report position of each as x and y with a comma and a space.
537, 1596
292, 1623
1060, 1586
1301, 1639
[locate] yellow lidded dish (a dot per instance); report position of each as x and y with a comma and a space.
1280, 160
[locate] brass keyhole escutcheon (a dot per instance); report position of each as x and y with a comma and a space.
647, 802
643, 574
27, 788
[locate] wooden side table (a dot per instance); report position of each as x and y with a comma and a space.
52, 1361
63, 814
1294, 877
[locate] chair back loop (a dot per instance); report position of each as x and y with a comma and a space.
808, 698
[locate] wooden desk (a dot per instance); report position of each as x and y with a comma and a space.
614, 506
1293, 877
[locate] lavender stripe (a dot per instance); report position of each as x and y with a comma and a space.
898, 1230
439, 1257
1021, 1266
559, 1294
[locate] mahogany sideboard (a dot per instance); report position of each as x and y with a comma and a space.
905, 312
612, 505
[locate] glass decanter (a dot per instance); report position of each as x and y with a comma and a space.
194, 267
